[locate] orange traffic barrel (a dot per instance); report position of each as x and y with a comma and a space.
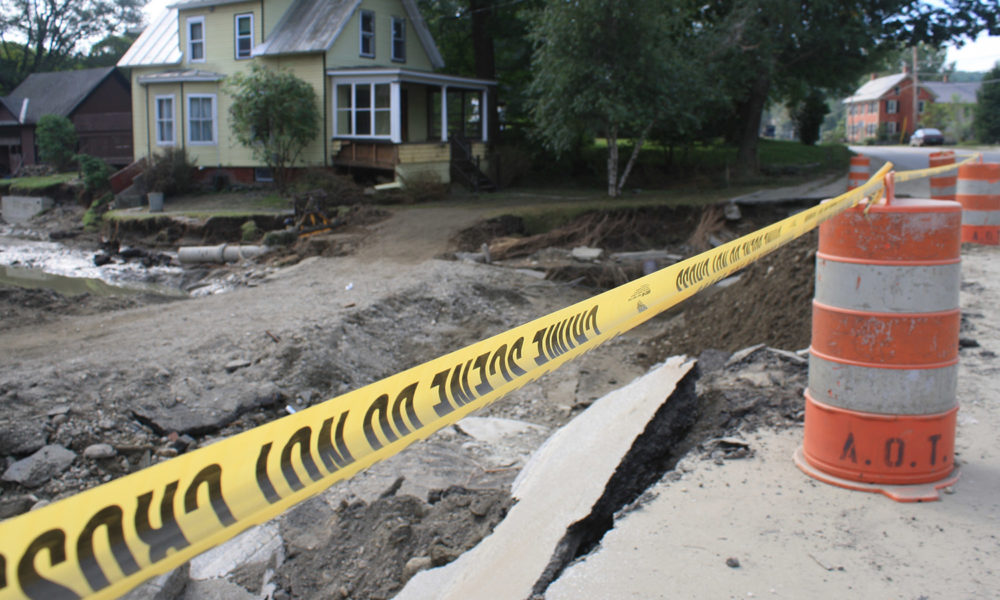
881, 405
860, 171
943, 186
979, 193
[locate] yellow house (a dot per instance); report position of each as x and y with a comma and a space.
373, 64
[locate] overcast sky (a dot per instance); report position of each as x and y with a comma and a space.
977, 56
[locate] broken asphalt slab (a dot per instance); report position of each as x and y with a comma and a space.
568, 477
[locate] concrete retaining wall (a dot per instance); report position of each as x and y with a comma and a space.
19, 209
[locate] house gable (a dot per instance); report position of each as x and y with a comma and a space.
346, 49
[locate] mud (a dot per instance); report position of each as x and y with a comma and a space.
155, 380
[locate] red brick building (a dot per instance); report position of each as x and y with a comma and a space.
884, 107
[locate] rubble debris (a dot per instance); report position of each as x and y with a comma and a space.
41, 466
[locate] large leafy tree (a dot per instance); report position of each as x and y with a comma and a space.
986, 122
610, 68
275, 114
486, 39
44, 35
781, 49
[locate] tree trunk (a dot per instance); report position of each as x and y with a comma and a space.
632, 159
750, 116
613, 161
485, 58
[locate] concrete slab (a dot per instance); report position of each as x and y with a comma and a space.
255, 545
19, 209
558, 487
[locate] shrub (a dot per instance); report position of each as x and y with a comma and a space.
170, 172
95, 173
249, 230
56, 139
92, 218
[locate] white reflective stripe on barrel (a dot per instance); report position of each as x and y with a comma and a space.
883, 390
883, 288
978, 218
978, 187
943, 191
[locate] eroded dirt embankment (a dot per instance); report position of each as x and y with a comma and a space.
146, 382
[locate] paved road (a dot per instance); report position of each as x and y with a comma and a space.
908, 159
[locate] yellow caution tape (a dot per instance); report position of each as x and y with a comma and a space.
106, 540
931, 172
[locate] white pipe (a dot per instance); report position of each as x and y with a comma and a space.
219, 254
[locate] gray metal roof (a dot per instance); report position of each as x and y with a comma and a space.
202, 3
55, 93
876, 88
158, 45
181, 75
946, 93
314, 25
308, 26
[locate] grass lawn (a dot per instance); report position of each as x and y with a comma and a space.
205, 205
33, 184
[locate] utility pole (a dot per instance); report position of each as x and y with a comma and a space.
916, 88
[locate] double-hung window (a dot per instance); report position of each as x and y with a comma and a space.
399, 39
367, 33
244, 35
892, 106
201, 119
364, 110
165, 120
196, 39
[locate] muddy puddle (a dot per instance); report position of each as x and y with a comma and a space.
35, 264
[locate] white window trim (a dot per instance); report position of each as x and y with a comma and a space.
215, 119
173, 119
362, 33
402, 22
393, 110
190, 43
236, 36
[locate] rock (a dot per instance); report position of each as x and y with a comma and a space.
203, 409
237, 364
442, 555
40, 467
732, 212
168, 586
258, 544
21, 437
216, 589
585, 253
740, 355
415, 565
95, 451
11, 506
733, 562
101, 259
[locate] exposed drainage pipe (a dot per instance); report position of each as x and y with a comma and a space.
222, 253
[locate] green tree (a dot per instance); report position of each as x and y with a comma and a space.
45, 35
986, 121
274, 114
807, 115
779, 49
608, 68
56, 139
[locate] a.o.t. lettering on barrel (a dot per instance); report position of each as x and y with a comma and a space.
211, 476
109, 517
849, 452
934, 439
168, 535
32, 584
894, 449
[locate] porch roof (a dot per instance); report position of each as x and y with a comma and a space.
410, 76
181, 76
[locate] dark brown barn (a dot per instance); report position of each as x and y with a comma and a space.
97, 101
